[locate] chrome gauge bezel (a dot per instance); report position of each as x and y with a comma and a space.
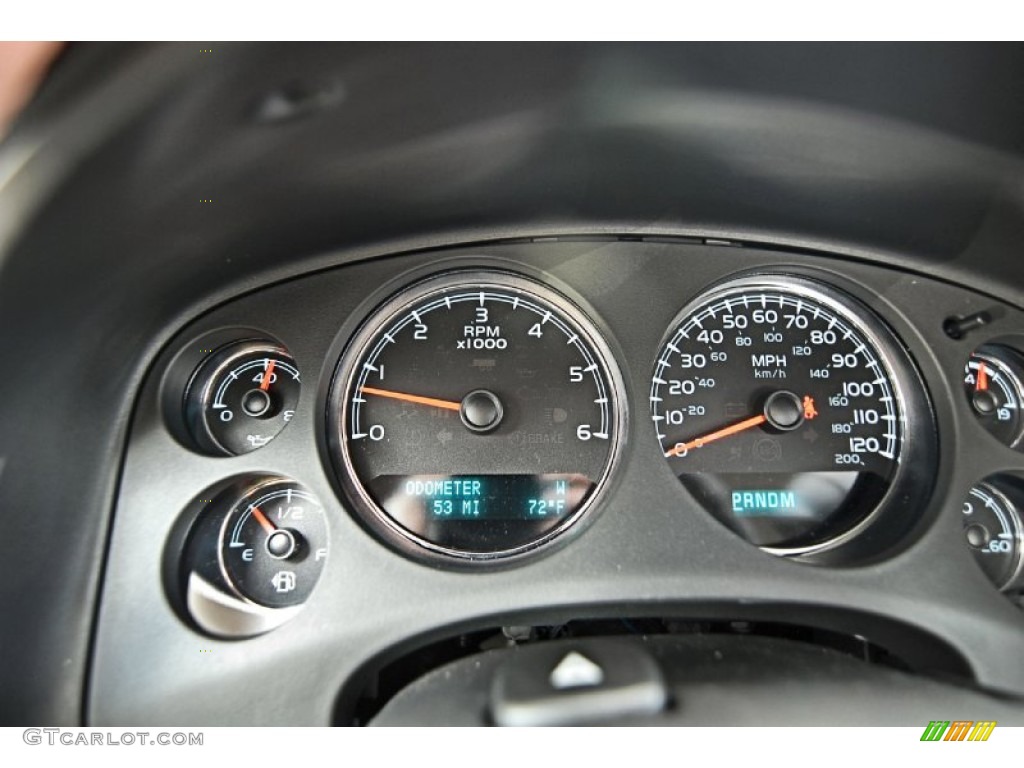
917, 447
199, 583
338, 411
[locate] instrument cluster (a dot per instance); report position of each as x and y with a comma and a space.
475, 414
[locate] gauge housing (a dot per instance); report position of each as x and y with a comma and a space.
833, 516
993, 387
220, 573
514, 484
189, 388
993, 531
227, 371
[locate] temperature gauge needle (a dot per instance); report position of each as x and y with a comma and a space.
982, 384
446, 404
699, 442
265, 384
263, 521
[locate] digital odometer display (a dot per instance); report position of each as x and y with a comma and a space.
776, 407
474, 416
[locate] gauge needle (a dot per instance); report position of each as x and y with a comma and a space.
698, 442
982, 384
446, 404
263, 521
265, 384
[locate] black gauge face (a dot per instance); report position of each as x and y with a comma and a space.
241, 397
273, 544
992, 530
992, 384
475, 416
776, 406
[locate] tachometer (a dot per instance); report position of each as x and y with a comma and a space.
474, 416
778, 405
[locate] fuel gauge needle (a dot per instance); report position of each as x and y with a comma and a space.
698, 442
432, 401
267, 526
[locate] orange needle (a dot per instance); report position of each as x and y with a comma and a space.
699, 442
982, 378
262, 520
446, 404
266, 376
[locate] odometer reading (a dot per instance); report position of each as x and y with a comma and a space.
776, 406
414, 498
474, 416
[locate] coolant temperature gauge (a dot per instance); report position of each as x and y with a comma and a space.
241, 397
992, 530
992, 383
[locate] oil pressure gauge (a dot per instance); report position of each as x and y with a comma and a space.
241, 397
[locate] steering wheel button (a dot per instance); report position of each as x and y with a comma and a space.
576, 671
588, 681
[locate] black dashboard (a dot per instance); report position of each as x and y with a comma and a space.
330, 375
630, 541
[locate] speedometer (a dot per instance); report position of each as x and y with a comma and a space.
786, 408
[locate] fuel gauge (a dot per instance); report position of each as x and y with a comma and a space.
273, 544
992, 383
253, 556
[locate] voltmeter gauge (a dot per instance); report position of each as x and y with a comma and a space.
255, 554
992, 383
241, 397
992, 530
